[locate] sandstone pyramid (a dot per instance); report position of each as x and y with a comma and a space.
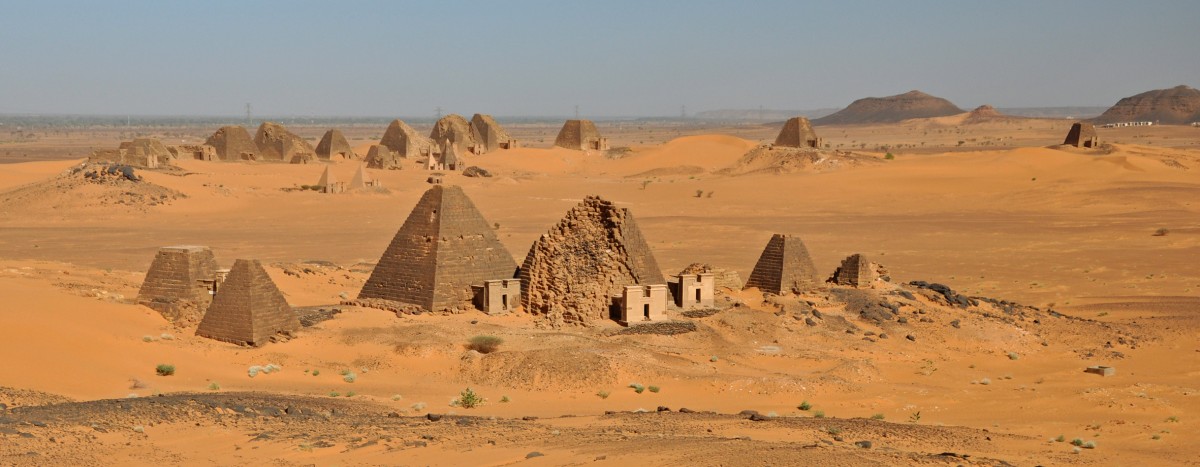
1179, 105
455, 128
178, 282
333, 145
572, 272
444, 247
784, 266
489, 135
1082, 135
798, 133
147, 153
912, 104
405, 141
582, 135
362, 180
855, 271
276, 143
233, 143
329, 183
248, 309
380, 157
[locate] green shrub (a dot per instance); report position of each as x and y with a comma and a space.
334, 394
889, 156
637, 387
819, 414
484, 343
804, 406
504, 399
164, 369
877, 416
469, 399
653, 388
213, 386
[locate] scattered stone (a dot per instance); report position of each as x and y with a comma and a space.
474, 171
810, 322
416, 443
433, 417
748, 412
863, 444
686, 410
1101, 370
759, 418
956, 323
533, 454
911, 337
663, 408
902, 320
529, 418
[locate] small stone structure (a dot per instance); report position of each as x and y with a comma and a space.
276, 143
572, 272
444, 247
489, 135
434, 179
330, 184
1082, 135
722, 278
233, 143
784, 267
448, 158
146, 153
798, 133
855, 271
362, 180
180, 283
380, 157
695, 291
248, 309
582, 135
405, 141
498, 296
1101, 370
334, 146
643, 303
200, 152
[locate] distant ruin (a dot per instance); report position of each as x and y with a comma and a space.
455, 129
581, 135
200, 152
334, 146
784, 267
572, 272
362, 180
146, 153
180, 283
442, 250
1082, 135
722, 278
233, 143
489, 135
381, 157
248, 309
798, 133
405, 141
330, 184
447, 158
276, 143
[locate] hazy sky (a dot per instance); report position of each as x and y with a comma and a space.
612, 58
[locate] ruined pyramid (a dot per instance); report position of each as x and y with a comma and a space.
455, 128
233, 143
405, 141
276, 143
334, 146
489, 135
784, 267
178, 282
798, 133
248, 309
444, 247
380, 157
572, 272
856, 271
360, 179
1082, 135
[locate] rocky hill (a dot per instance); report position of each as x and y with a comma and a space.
912, 104
1179, 105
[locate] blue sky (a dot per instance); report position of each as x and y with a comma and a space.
612, 58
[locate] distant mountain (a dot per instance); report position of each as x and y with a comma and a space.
1179, 105
767, 115
912, 104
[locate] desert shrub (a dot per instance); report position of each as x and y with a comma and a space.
889, 156
484, 343
602, 394
637, 387
397, 397
469, 399
316, 372
877, 416
804, 406
653, 388
713, 359
1013, 356
213, 386
418, 406
699, 193
1077, 442
505, 399
334, 394
350, 394
164, 369
833, 431
349, 376
1161, 232
147, 338
819, 414
1060, 438
166, 336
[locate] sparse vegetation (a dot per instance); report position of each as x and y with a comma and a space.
147, 338
1172, 419
602, 394
1060, 438
164, 369
316, 372
484, 343
1013, 356
877, 416
889, 156
350, 394
166, 336
713, 359
349, 376
804, 406
334, 394
637, 387
1161, 232
819, 414
699, 193
504, 399
915, 417
213, 386
653, 388
468, 399
833, 431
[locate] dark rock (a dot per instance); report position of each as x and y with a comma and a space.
474, 171
956, 323
663, 408
686, 410
810, 322
816, 313
759, 418
864, 444
748, 412
838, 439
393, 415
433, 417
529, 418
911, 337
883, 336
902, 320
533, 454
416, 443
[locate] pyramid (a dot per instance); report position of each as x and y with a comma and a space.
582, 135
405, 141
1082, 135
178, 282
233, 143
855, 271
784, 266
455, 128
488, 134
276, 143
334, 145
360, 180
572, 272
444, 247
329, 183
798, 133
248, 309
380, 157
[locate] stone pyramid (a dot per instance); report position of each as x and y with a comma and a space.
329, 183
248, 309
233, 143
784, 266
489, 135
855, 271
178, 282
360, 179
276, 143
381, 157
405, 141
455, 128
798, 133
572, 272
1082, 135
580, 134
444, 247
334, 146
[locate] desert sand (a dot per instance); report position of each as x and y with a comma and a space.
989, 209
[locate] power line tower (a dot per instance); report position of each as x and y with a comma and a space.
683, 112
249, 115
439, 113
577, 111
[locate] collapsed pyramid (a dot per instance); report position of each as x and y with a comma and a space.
444, 247
248, 309
178, 282
784, 266
233, 143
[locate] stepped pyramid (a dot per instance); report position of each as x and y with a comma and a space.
233, 143
855, 271
444, 247
784, 266
178, 282
334, 145
582, 135
248, 308
798, 133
